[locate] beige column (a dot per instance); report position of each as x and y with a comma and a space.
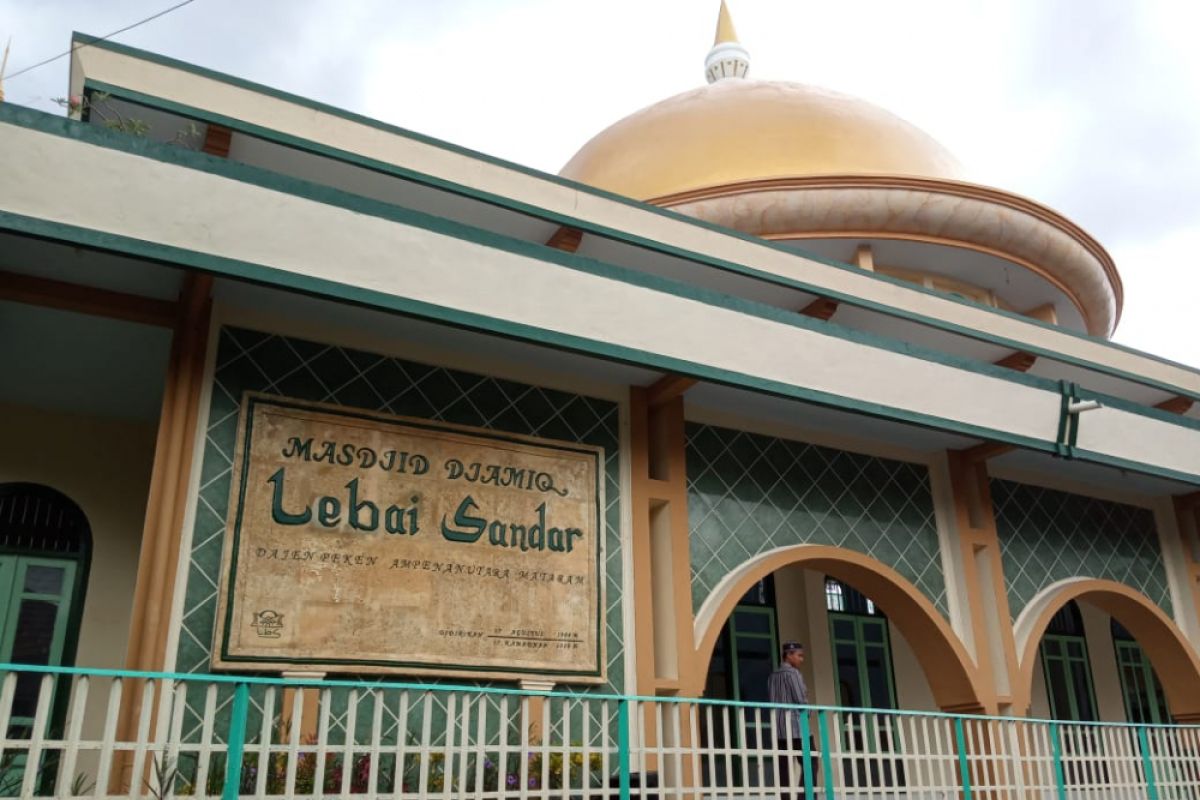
163, 527
1175, 518
976, 560
1180, 538
662, 597
662, 593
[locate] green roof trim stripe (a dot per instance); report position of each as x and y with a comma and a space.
287, 140
600, 230
1122, 404
403, 173
337, 198
100, 137
318, 287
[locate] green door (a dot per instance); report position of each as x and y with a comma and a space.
1068, 678
754, 644
35, 607
862, 661
1145, 701
745, 656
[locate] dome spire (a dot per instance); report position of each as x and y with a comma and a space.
727, 59
725, 29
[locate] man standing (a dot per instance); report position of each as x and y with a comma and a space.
786, 686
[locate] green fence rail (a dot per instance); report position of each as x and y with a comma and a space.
116, 733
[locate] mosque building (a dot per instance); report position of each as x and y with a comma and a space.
294, 392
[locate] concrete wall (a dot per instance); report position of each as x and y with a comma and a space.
1106, 680
103, 465
1039, 706
912, 687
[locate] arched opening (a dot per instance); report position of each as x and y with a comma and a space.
1062, 658
45, 552
947, 668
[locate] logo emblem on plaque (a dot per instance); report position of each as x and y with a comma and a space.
268, 624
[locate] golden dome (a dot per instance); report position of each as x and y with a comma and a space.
733, 131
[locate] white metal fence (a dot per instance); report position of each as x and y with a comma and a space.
107, 733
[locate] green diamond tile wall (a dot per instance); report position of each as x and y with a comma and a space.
1047, 535
748, 494
253, 361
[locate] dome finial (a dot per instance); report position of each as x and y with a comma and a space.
725, 29
727, 59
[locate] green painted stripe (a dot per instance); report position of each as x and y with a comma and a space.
236, 742
1064, 420
678, 218
244, 270
1130, 406
1073, 427
623, 748
336, 198
826, 757
1056, 749
1148, 765
964, 770
806, 755
335, 683
324, 288
693, 256
1128, 465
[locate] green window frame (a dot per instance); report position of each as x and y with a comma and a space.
1068, 674
749, 626
37, 595
1145, 700
45, 557
863, 635
764, 634
865, 639
758, 630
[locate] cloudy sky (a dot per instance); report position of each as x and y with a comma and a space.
1089, 106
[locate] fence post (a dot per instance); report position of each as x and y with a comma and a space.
1147, 763
236, 742
623, 746
964, 769
1056, 749
806, 754
826, 761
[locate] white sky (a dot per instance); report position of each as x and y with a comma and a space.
1088, 106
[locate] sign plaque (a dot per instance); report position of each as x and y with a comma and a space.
366, 543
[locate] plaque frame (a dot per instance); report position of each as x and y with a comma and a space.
221, 658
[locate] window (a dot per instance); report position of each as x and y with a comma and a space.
842, 598
747, 649
746, 653
45, 546
862, 666
1067, 670
1145, 701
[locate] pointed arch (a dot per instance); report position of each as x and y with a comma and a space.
1173, 658
951, 672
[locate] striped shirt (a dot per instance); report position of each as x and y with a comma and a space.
786, 686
